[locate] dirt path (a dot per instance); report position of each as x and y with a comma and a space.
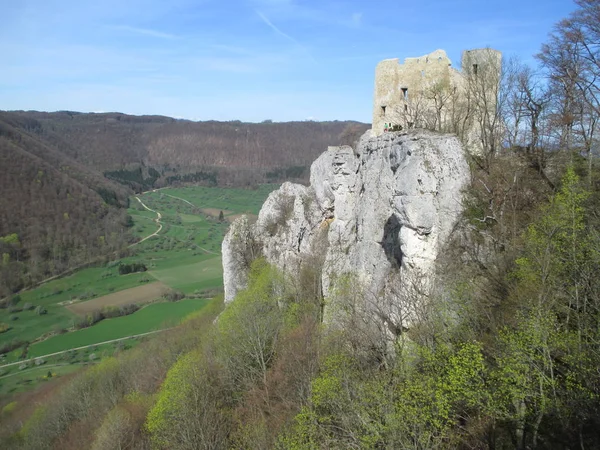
157, 220
80, 348
179, 198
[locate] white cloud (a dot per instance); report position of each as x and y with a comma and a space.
266, 20
147, 32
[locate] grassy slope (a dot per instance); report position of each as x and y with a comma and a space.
185, 256
152, 317
92, 282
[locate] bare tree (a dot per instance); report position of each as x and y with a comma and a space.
572, 59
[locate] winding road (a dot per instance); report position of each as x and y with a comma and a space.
159, 216
157, 220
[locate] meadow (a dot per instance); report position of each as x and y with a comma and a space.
185, 257
157, 316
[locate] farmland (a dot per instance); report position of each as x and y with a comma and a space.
139, 294
152, 317
184, 257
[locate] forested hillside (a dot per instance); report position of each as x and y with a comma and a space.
153, 151
65, 177
55, 212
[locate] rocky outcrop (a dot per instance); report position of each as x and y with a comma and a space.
381, 212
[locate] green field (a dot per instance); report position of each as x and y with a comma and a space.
153, 317
185, 255
237, 201
84, 284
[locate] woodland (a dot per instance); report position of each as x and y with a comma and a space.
66, 177
505, 356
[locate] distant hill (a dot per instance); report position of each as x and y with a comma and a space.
150, 151
65, 177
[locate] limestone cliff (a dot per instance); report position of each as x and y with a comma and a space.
381, 213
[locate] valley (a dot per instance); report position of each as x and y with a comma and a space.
179, 233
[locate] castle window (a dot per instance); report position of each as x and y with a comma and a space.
474, 69
405, 107
405, 93
383, 111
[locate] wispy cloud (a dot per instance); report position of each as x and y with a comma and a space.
266, 20
147, 32
277, 30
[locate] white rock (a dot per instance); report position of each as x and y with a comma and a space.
387, 209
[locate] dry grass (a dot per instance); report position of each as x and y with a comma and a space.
140, 294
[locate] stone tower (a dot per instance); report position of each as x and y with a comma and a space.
427, 92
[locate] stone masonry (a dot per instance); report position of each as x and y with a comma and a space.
427, 92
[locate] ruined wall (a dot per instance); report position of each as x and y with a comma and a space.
399, 88
427, 92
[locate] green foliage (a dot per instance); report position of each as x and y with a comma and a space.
176, 389
417, 405
249, 327
556, 246
207, 178
134, 267
190, 411
9, 408
285, 174
11, 239
133, 178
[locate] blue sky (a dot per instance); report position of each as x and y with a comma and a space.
250, 60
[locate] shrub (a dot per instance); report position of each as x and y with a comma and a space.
28, 306
89, 320
10, 346
8, 408
10, 301
131, 268
4, 327
40, 310
118, 311
14, 317
173, 295
87, 295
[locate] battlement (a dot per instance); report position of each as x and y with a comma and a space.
426, 91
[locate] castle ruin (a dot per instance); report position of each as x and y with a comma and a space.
427, 92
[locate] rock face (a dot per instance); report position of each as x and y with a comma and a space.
380, 213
